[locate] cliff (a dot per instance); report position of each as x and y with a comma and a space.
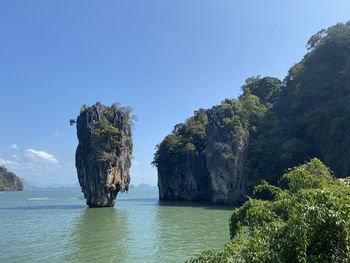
203, 159
272, 126
9, 181
181, 162
225, 154
103, 156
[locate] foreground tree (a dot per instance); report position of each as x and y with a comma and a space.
308, 220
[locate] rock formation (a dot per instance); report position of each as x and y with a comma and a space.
203, 159
9, 181
181, 162
103, 156
220, 154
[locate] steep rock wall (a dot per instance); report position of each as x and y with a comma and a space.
226, 152
103, 156
189, 181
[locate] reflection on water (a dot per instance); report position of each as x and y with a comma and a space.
184, 225
100, 235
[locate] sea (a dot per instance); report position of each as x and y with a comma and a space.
55, 225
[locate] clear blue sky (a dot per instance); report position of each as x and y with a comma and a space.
164, 58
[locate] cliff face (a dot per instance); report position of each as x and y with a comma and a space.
189, 181
9, 181
103, 156
226, 152
181, 162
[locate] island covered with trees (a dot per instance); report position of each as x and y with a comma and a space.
9, 181
220, 154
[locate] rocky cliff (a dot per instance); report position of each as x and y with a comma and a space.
225, 155
203, 159
181, 162
272, 126
9, 181
103, 156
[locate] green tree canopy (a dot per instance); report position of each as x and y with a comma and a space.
307, 221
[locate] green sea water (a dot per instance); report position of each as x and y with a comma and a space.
54, 225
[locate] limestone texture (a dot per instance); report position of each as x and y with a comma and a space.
103, 155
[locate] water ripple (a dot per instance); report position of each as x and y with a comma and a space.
43, 207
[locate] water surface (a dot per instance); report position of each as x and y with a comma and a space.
54, 225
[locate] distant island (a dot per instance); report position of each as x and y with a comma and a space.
141, 186
9, 181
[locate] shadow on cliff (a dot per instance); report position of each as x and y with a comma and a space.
157, 202
140, 200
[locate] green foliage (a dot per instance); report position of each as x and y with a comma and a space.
83, 108
105, 156
266, 89
311, 115
186, 139
106, 138
127, 111
211, 256
190, 148
104, 131
308, 221
234, 117
324, 35
72, 122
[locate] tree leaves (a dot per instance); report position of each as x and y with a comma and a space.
309, 221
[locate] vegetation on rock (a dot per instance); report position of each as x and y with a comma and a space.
273, 125
103, 156
310, 118
212, 144
9, 181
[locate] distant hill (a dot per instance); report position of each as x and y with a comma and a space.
143, 185
9, 181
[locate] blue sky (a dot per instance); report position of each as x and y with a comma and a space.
164, 58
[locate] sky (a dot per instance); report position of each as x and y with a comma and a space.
164, 58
